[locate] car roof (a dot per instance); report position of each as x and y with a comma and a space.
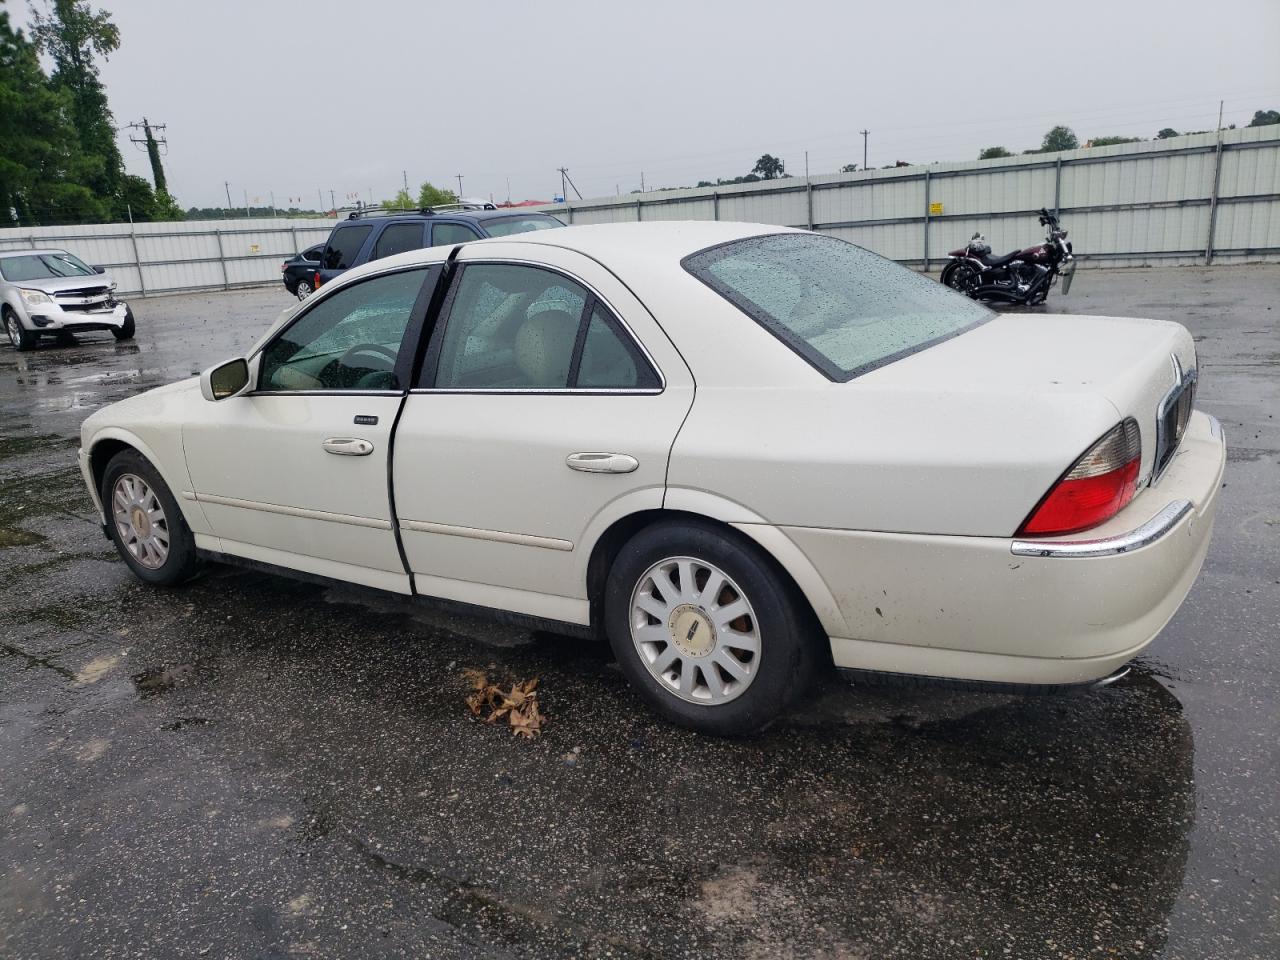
667, 241
476, 215
31, 253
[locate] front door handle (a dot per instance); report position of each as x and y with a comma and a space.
348, 446
601, 462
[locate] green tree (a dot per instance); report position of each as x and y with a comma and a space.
432, 196
401, 201
769, 167
72, 34
1059, 138
1112, 141
40, 162
993, 153
849, 168
1166, 133
1262, 118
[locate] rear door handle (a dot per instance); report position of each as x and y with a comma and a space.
348, 446
601, 462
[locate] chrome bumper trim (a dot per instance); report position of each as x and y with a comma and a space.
1142, 536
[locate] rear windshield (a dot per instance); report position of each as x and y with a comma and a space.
842, 308
506, 226
43, 266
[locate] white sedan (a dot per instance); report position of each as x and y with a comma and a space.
740, 452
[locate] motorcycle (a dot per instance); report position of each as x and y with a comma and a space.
1023, 276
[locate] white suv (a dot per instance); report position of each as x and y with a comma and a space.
52, 292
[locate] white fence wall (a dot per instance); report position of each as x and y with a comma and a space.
1185, 200
1125, 205
153, 258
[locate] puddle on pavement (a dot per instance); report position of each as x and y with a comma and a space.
156, 680
17, 537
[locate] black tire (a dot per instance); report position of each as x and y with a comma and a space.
181, 563
788, 634
960, 277
125, 330
302, 289
19, 336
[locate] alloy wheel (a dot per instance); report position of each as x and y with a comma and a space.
695, 630
303, 290
11, 328
140, 521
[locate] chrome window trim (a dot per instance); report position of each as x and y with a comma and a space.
1181, 383
601, 299
1142, 536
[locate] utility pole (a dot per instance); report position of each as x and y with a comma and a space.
227, 184
564, 189
405, 175
152, 144
320, 205
565, 178
459, 176
865, 134
642, 181
332, 206
806, 165
246, 204
508, 191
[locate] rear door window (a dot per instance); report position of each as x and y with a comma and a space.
398, 238
442, 233
344, 247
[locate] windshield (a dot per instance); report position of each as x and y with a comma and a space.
43, 266
842, 308
506, 226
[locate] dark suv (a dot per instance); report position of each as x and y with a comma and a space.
373, 234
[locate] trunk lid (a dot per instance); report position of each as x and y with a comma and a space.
1128, 361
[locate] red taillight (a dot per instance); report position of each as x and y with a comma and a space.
315, 281
1096, 488
284, 267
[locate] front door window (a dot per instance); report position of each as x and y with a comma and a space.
350, 340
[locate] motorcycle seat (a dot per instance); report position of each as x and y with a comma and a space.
991, 261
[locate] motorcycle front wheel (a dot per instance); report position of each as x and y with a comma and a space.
961, 277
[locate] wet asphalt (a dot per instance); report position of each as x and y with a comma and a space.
254, 767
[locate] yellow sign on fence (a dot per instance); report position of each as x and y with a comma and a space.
935, 209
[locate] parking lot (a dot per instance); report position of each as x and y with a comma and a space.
254, 767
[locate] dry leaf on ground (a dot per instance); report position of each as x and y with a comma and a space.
519, 704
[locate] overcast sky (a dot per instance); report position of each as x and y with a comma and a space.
301, 98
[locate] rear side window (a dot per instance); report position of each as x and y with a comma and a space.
398, 238
512, 327
610, 359
344, 246
313, 253
842, 308
442, 233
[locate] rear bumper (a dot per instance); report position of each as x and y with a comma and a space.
1022, 611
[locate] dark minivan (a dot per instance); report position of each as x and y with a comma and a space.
373, 234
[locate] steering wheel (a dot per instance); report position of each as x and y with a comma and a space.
376, 349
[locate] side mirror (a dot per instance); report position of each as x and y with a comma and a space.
225, 380
97, 269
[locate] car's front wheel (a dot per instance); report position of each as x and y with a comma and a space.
303, 289
21, 338
144, 522
707, 629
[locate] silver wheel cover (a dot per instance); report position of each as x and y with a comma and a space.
695, 631
140, 521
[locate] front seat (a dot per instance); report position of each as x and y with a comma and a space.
544, 348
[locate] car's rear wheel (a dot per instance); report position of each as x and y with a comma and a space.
303, 289
126, 329
21, 338
707, 629
144, 522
